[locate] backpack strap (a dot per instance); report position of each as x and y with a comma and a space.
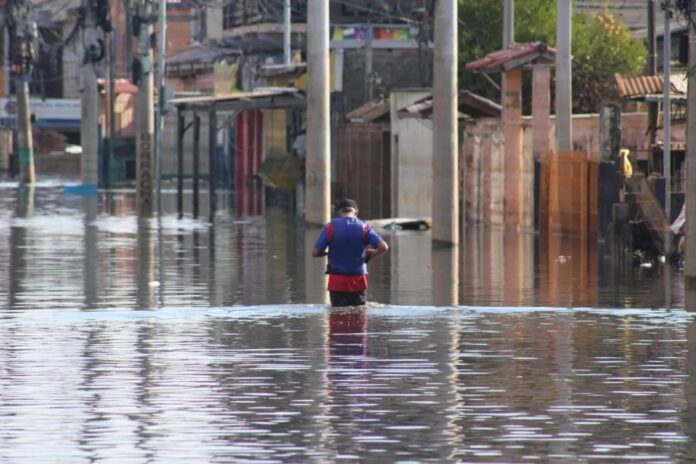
366, 233
329, 231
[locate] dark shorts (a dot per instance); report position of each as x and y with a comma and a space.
340, 299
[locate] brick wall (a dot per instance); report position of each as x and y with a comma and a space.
397, 68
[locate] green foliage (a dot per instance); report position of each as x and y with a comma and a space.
601, 45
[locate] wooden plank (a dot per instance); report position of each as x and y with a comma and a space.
651, 211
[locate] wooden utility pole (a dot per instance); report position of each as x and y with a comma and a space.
690, 197
445, 199
318, 167
563, 78
22, 33
145, 109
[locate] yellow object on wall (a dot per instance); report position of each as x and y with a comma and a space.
626, 165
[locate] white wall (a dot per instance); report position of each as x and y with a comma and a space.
412, 165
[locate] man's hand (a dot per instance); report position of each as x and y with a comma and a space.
380, 250
318, 253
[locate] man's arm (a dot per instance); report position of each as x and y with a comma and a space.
380, 249
319, 248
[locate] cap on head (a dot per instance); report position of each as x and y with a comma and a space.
346, 204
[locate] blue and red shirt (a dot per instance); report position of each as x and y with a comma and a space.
347, 239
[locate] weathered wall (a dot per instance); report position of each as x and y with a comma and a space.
633, 133
412, 161
483, 160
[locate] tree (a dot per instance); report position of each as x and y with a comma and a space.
601, 45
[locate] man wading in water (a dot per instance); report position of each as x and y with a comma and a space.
351, 243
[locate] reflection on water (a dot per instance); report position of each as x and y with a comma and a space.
172, 340
63, 252
293, 383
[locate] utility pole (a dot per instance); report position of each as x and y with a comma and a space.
318, 172
287, 29
22, 33
652, 69
145, 108
92, 53
508, 22
690, 197
666, 106
369, 76
445, 199
159, 127
112, 101
563, 78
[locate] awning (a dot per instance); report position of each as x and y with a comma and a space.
260, 98
198, 59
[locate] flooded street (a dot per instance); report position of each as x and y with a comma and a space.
179, 341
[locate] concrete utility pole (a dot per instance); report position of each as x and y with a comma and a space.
564, 138
318, 172
159, 127
22, 33
652, 68
369, 59
145, 109
287, 29
445, 201
508, 22
667, 107
93, 52
690, 261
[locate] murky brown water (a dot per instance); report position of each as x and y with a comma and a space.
177, 341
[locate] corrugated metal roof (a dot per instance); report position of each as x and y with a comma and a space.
370, 111
514, 56
635, 87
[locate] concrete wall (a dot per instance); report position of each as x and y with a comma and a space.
412, 160
633, 133
483, 160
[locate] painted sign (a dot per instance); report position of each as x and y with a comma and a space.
49, 113
382, 36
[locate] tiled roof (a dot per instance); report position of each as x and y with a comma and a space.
469, 104
514, 56
635, 87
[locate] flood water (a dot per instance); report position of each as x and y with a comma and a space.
182, 341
